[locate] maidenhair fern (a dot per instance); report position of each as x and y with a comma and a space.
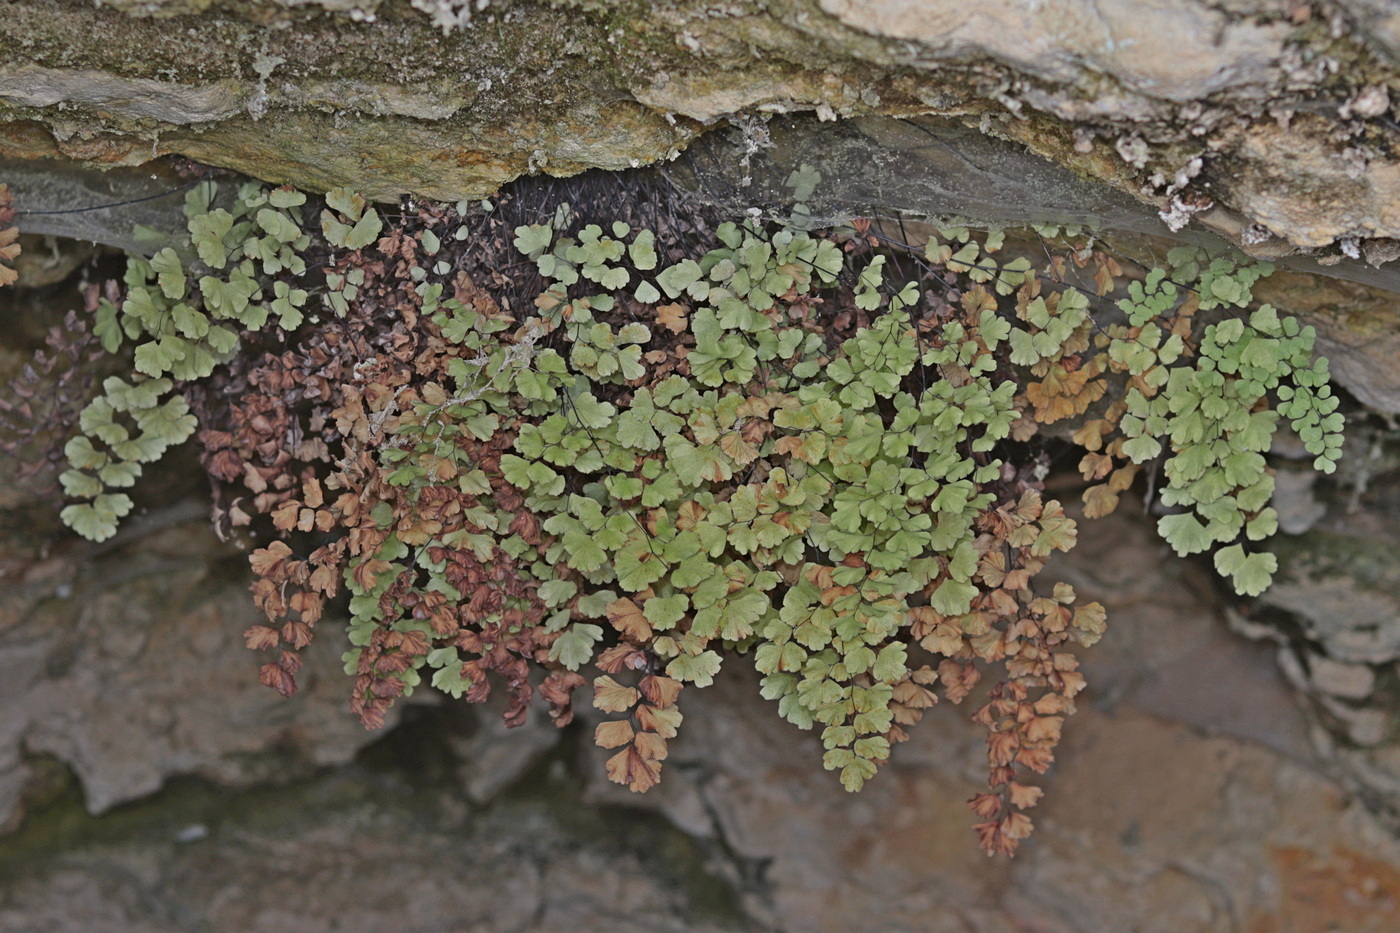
1215, 418
183, 310
778, 449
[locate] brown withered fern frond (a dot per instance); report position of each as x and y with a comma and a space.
40, 406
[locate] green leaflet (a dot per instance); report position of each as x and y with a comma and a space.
97, 520
574, 648
1250, 573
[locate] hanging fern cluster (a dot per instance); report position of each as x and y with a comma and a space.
818, 454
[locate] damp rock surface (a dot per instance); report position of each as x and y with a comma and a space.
1189, 795
130, 668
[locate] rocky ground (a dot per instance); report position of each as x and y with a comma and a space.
1190, 793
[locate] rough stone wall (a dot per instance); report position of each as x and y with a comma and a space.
1268, 120
1201, 790
1189, 796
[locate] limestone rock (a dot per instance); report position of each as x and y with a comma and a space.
1324, 571
1349, 681
1183, 105
1186, 798
1186, 795
130, 668
362, 853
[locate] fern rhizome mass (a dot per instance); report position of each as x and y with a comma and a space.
814, 453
